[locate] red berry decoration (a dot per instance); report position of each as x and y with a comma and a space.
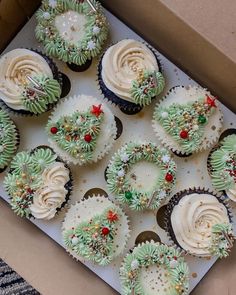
54, 130
169, 177
183, 134
96, 110
87, 137
105, 231
210, 101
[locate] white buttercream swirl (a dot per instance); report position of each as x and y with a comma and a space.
14, 67
192, 220
46, 200
56, 173
120, 65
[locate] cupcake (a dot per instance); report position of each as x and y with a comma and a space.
222, 165
199, 222
73, 31
141, 175
29, 82
130, 75
81, 129
95, 230
188, 120
154, 268
9, 140
38, 183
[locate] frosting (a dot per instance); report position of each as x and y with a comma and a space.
47, 199
127, 179
188, 119
223, 166
121, 64
81, 129
36, 183
17, 90
192, 220
71, 30
56, 174
95, 229
8, 139
153, 268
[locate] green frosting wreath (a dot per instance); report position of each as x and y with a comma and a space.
95, 30
186, 122
25, 177
8, 139
221, 240
93, 239
148, 254
223, 164
37, 98
120, 165
147, 86
77, 134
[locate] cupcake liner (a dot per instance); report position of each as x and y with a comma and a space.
168, 143
66, 85
65, 226
80, 68
126, 107
226, 133
175, 200
56, 75
16, 146
98, 154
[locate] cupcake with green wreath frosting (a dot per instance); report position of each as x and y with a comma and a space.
73, 31
222, 166
154, 268
30, 83
38, 183
9, 140
130, 75
81, 130
188, 120
141, 175
95, 229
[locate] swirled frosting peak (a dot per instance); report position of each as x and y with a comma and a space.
192, 220
121, 64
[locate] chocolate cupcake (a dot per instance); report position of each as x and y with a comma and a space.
30, 83
38, 183
73, 31
95, 230
9, 140
199, 223
81, 130
188, 120
153, 268
141, 175
222, 166
130, 75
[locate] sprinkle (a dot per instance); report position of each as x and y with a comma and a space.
91, 45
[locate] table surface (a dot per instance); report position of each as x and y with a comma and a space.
116, 34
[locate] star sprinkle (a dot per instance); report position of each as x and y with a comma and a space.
124, 158
96, 110
52, 3
165, 159
91, 45
210, 101
96, 30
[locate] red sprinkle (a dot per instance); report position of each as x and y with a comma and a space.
111, 216
183, 134
210, 101
96, 110
105, 231
54, 130
87, 137
169, 177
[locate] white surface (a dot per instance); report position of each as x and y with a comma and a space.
191, 171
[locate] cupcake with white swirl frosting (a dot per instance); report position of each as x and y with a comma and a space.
130, 75
30, 83
38, 183
199, 223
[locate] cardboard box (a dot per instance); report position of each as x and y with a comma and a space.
191, 36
